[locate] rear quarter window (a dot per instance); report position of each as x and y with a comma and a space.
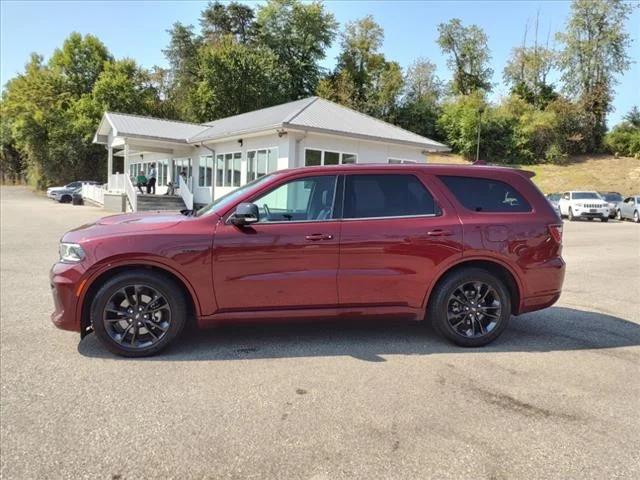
486, 194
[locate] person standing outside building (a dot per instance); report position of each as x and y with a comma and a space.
151, 179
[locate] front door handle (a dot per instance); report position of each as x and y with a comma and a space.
314, 237
439, 232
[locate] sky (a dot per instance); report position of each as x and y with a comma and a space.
138, 29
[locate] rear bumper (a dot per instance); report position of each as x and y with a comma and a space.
66, 280
545, 281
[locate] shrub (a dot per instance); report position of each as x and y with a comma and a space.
623, 140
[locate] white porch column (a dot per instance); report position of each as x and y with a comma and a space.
109, 167
126, 158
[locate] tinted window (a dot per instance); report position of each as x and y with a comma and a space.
585, 196
486, 195
369, 196
612, 197
304, 199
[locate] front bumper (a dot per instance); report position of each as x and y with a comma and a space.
66, 282
591, 212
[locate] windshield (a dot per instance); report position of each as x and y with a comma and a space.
612, 197
585, 196
554, 197
230, 197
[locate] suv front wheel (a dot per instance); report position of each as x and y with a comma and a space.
138, 313
470, 307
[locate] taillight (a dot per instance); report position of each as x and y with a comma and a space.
556, 233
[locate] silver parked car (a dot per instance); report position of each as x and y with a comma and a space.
629, 208
613, 199
554, 200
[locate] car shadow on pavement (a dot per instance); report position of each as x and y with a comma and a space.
553, 329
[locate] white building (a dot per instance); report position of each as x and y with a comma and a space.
222, 155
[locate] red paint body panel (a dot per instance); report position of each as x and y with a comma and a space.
363, 268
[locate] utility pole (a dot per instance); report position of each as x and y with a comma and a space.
479, 128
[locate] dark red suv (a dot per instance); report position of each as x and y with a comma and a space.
464, 247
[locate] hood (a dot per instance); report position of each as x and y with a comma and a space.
125, 224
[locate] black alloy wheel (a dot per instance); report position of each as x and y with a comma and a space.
474, 309
471, 307
137, 316
138, 313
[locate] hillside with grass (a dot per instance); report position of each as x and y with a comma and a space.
583, 172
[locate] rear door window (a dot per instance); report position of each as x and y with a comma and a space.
485, 194
372, 196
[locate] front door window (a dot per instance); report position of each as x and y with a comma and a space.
304, 199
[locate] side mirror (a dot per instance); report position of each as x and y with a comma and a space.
245, 214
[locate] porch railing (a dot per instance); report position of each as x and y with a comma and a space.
185, 193
130, 190
116, 182
95, 193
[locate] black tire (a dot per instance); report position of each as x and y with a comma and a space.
590, 219
618, 215
168, 289
65, 199
604, 219
571, 217
636, 217
438, 311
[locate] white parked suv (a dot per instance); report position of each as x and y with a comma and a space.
587, 205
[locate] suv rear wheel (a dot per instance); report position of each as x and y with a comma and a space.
571, 217
138, 313
470, 307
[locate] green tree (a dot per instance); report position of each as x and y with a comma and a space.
182, 54
595, 50
633, 117
125, 87
299, 34
236, 78
468, 56
80, 62
220, 20
363, 78
419, 108
527, 71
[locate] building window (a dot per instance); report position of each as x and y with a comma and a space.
261, 162
183, 165
399, 161
205, 171
228, 169
314, 157
162, 172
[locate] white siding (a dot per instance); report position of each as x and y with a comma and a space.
367, 152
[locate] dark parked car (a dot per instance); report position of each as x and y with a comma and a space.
76, 197
613, 199
464, 247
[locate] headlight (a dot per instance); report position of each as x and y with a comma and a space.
71, 252
578, 204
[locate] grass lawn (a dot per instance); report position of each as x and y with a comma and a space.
584, 172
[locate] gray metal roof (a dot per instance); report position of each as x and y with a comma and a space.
258, 120
309, 114
324, 116
126, 125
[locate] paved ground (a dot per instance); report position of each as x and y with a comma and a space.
557, 396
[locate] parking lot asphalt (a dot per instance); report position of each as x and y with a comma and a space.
557, 396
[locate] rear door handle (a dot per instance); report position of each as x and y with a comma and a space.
438, 232
314, 237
